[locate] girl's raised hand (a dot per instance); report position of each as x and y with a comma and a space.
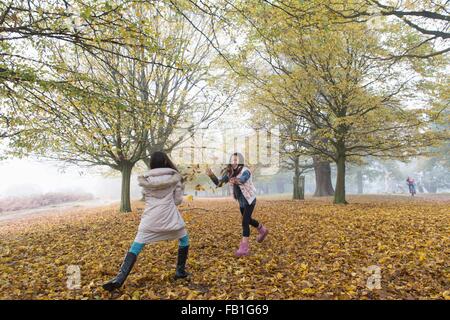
234, 180
209, 172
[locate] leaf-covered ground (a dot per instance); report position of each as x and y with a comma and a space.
315, 250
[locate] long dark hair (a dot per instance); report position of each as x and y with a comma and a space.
160, 159
229, 168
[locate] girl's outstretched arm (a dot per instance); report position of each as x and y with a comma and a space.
217, 182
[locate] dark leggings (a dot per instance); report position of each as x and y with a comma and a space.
247, 220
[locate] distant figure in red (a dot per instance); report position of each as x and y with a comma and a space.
411, 185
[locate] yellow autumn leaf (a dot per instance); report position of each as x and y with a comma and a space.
308, 291
446, 295
422, 256
136, 295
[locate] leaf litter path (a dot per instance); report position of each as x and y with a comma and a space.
315, 250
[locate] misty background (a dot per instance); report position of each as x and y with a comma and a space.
29, 177
25, 177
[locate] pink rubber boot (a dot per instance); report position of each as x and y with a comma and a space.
263, 232
243, 250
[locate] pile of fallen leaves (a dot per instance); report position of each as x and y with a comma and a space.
315, 250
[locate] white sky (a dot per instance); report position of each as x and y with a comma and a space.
27, 176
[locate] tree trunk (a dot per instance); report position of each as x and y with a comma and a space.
359, 179
431, 187
296, 182
301, 188
299, 182
339, 195
125, 203
322, 171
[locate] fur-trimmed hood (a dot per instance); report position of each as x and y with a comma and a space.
160, 181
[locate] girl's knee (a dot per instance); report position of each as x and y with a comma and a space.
184, 241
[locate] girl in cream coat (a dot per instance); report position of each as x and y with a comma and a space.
161, 220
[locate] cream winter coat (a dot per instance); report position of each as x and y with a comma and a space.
161, 219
